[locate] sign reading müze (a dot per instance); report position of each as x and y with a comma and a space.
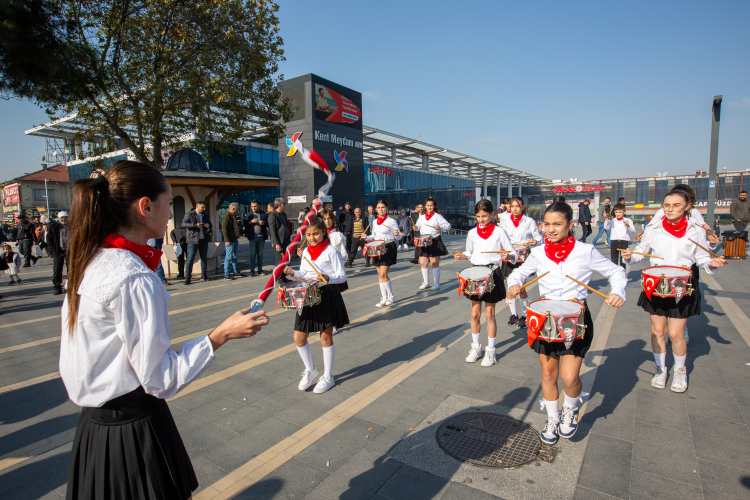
12, 194
381, 170
578, 189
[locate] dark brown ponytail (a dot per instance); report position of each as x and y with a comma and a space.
101, 205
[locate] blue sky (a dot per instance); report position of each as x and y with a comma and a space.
574, 89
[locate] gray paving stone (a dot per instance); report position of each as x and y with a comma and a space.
396, 431
253, 414
610, 416
458, 491
360, 477
208, 413
338, 446
721, 441
645, 486
586, 494
292, 480
206, 472
665, 452
206, 438
391, 405
713, 402
606, 466
410, 483
664, 408
722, 482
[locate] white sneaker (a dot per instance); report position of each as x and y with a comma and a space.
549, 433
324, 383
687, 337
679, 380
382, 301
335, 331
659, 380
436, 286
307, 378
389, 300
489, 357
425, 285
568, 422
475, 353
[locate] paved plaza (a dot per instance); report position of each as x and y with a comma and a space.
399, 373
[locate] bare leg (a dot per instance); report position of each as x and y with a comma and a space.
570, 370
550, 370
476, 316
489, 313
658, 331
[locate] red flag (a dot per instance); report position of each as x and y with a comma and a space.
649, 284
535, 324
461, 285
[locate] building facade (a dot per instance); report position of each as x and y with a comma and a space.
28, 193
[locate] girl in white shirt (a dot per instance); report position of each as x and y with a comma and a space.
670, 240
621, 228
486, 237
384, 228
432, 223
329, 313
523, 233
335, 238
563, 255
115, 359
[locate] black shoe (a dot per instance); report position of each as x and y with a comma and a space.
367, 264
187, 279
34, 259
10, 283
165, 282
347, 264
58, 291
261, 272
414, 261
204, 277
229, 277
522, 322
240, 275
513, 319
180, 276
26, 265
253, 274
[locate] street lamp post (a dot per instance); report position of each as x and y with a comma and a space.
46, 195
713, 159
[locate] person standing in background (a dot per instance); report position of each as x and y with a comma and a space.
404, 225
602, 212
278, 230
584, 218
360, 223
25, 239
415, 232
345, 221
739, 210
177, 235
58, 241
256, 232
198, 234
230, 232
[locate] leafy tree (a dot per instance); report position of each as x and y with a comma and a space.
151, 72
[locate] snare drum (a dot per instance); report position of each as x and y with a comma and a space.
298, 294
667, 281
475, 280
374, 248
522, 251
423, 241
555, 321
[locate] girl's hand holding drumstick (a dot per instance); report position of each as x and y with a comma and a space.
459, 256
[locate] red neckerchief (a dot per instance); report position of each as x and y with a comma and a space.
381, 219
149, 255
620, 218
316, 250
558, 252
331, 229
486, 231
428, 216
516, 220
678, 229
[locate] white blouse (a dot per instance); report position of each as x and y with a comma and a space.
329, 262
674, 251
122, 339
384, 231
339, 242
426, 227
580, 264
525, 232
619, 230
475, 245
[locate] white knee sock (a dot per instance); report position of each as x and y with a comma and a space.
524, 305
383, 289
512, 306
388, 288
436, 275
329, 353
661, 359
570, 402
425, 275
679, 361
490, 342
306, 355
552, 410
475, 338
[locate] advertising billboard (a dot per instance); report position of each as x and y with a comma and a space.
12, 194
334, 107
296, 96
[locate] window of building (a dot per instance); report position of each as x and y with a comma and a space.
39, 195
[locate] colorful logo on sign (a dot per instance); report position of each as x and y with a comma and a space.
577, 189
341, 162
294, 144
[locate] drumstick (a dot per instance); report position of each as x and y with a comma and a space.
586, 286
320, 276
706, 249
639, 253
368, 227
498, 251
302, 247
530, 282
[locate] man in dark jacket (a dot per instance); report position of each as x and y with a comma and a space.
178, 238
360, 230
739, 210
198, 233
346, 220
57, 240
25, 238
230, 232
278, 230
584, 218
256, 232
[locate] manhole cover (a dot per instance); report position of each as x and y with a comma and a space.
489, 440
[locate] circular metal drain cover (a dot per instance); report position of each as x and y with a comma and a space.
489, 440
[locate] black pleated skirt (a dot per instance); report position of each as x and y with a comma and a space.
129, 449
436, 249
330, 311
579, 347
389, 258
509, 267
341, 287
497, 294
689, 305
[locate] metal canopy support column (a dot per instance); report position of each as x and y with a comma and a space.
425, 162
450, 167
520, 182
499, 199
510, 186
393, 157
713, 159
468, 173
484, 185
